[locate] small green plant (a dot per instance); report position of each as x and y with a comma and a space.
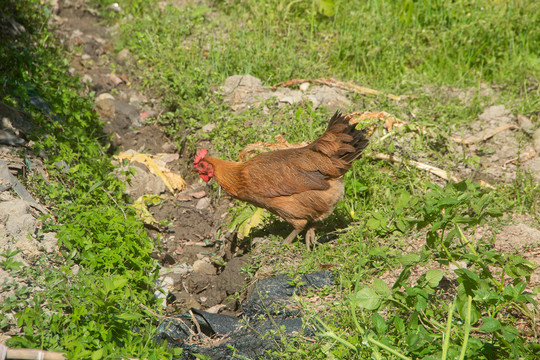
9, 263
488, 287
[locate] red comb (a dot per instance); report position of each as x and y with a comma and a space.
200, 155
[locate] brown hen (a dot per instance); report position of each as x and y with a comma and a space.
301, 185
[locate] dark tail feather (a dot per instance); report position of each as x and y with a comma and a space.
359, 137
341, 141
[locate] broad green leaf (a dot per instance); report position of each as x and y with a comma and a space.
366, 298
409, 259
510, 333
434, 277
381, 287
379, 323
490, 324
129, 316
399, 324
327, 7
98, 354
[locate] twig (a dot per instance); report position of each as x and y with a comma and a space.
122, 210
29, 354
484, 135
342, 85
195, 322
432, 169
158, 316
521, 159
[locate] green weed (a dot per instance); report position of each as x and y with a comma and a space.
95, 312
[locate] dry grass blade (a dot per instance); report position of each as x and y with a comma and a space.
485, 135
342, 85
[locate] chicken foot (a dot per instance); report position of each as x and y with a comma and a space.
310, 236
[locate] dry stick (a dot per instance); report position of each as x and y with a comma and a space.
30, 354
339, 84
521, 159
110, 196
484, 135
432, 169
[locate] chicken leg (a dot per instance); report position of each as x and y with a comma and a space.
310, 236
289, 239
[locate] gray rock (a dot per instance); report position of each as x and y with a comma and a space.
142, 182
123, 56
16, 218
496, 114
332, 98
533, 166
62, 166
7, 179
128, 112
203, 204
245, 91
203, 266
105, 106
87, 79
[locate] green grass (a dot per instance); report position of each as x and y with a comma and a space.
419, 48
422, 48
97, 311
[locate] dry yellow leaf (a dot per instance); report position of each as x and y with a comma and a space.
253, 221
173, 181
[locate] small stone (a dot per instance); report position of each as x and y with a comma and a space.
182, 197
198, 194
115, 79
524, 121
203, 266
167, 282
75, 269
182, 269
192, 303
86, 57
169, 147
208, 127
49, 242
87, 79
62, 166
76, 33
106, 106
114, 7
137, 99
304, 86
123, 56
203, 204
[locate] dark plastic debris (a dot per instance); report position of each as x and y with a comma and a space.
265, 320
